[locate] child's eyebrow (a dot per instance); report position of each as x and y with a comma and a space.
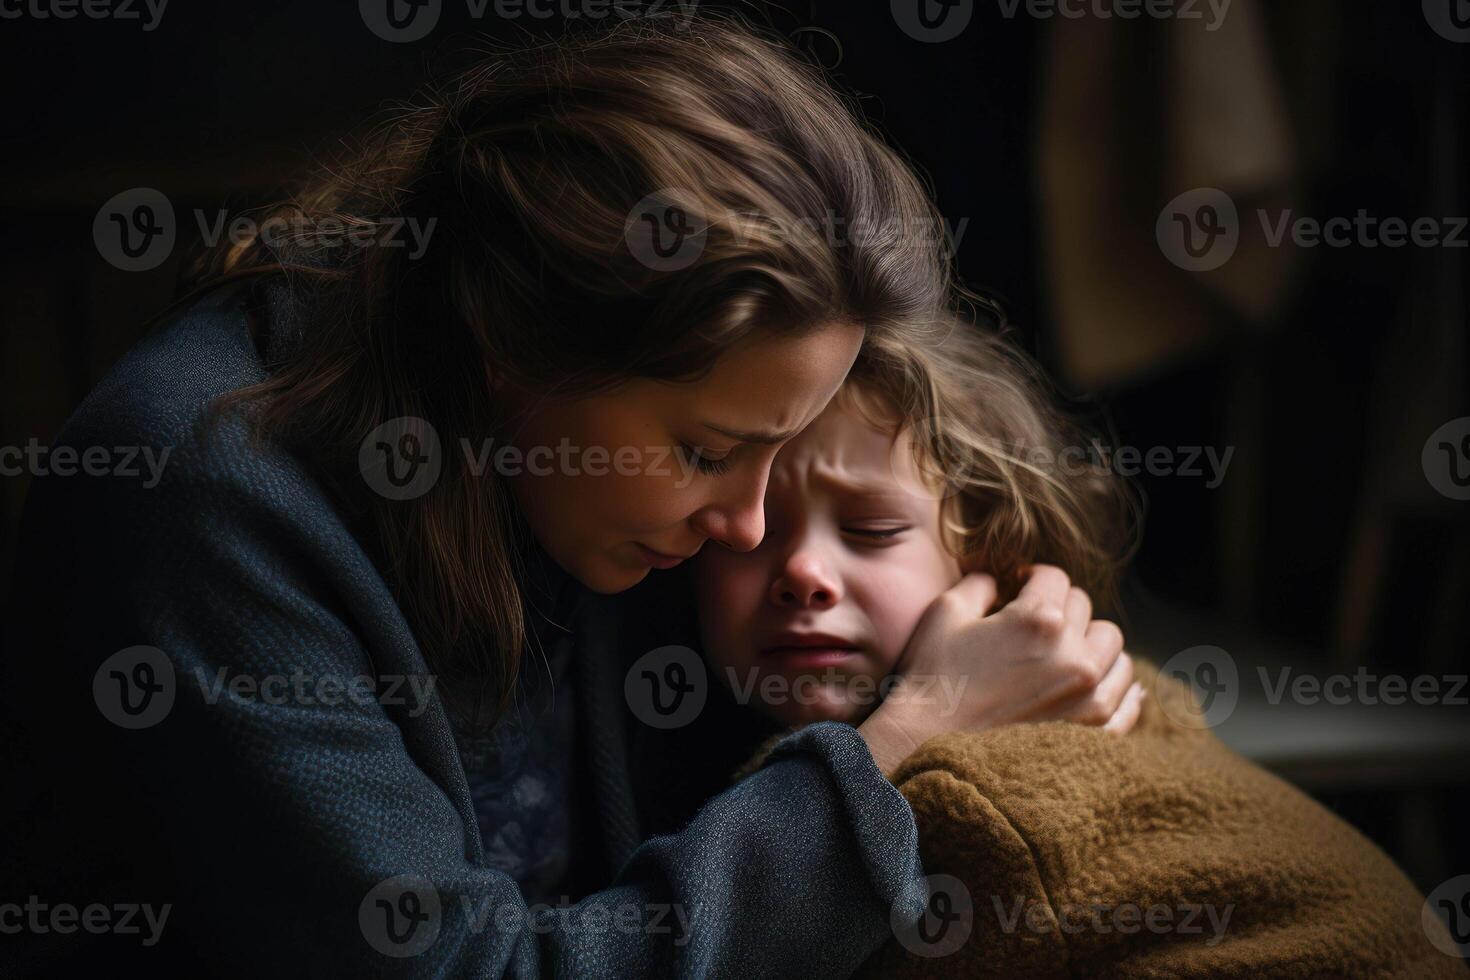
878, 490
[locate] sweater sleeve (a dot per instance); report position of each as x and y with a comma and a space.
795, 870
301, 820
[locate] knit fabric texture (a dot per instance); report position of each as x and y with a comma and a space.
323, 835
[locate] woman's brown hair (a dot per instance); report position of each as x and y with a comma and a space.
533, 165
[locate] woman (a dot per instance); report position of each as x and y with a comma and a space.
284, 682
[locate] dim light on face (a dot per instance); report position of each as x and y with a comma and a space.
806, 625
640, 477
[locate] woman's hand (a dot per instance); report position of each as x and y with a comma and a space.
1041, 658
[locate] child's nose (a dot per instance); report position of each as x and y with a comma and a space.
805, 583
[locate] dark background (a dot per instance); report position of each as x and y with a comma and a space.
1326, 369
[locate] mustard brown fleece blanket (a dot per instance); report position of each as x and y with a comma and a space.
1057, 850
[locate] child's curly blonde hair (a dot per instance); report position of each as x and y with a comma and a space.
989, 434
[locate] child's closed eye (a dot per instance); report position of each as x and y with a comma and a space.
876, 533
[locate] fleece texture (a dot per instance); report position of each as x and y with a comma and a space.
1056, 850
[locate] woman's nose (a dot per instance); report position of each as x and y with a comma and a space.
805, 582
738, 523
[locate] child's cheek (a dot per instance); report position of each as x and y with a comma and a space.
895, 605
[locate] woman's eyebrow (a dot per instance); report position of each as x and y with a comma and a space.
767, 437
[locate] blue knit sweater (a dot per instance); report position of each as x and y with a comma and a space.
153, 762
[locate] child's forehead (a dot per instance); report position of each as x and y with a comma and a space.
849, 449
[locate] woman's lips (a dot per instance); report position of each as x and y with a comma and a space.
657, 558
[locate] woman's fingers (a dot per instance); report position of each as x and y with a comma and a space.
1099, 703
1047, 585
1079, 609
976, 593
1115, 685
1105, 640
1128, 712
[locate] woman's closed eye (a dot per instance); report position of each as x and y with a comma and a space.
709, 461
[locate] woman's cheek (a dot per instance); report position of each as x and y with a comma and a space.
728, 595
